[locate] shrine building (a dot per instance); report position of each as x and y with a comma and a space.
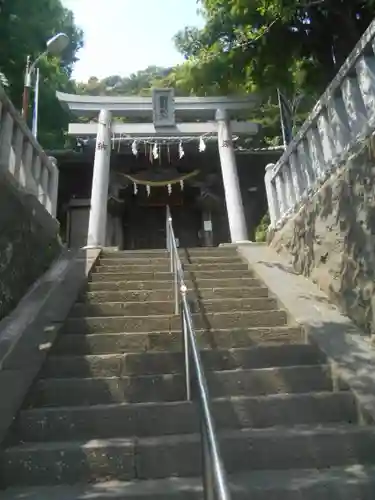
136, 155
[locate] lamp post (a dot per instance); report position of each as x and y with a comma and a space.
54, 46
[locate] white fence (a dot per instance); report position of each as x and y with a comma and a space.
341, 118
24, 159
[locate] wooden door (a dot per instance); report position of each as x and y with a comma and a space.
145, 228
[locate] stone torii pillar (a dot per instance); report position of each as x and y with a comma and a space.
99, 193
236, 216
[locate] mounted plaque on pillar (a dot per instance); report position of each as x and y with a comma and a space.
163, 107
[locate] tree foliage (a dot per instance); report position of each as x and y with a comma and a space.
245, 46
262, 45
25, 26
139, 83
268, 43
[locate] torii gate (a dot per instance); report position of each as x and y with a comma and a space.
207, 115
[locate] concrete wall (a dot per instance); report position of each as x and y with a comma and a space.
29, 242
332, 238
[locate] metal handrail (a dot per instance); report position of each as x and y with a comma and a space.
215, 483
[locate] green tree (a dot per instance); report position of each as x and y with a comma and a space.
25, 26
261, 45
268, 43
139, 83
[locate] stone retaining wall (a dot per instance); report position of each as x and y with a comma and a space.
29, 242
332, 238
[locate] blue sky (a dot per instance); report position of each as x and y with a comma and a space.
124, 36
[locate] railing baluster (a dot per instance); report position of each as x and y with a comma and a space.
36, 170
339, 122
273, 205
344, 114
290, 194
366, 79
298, 176
18, 149
44, 182
23, 158
316, 152
6, 134
281, 193
326, 139
25, 175
354, 105
53, 186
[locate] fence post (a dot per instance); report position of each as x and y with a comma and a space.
6, 133
53, 187
273, 207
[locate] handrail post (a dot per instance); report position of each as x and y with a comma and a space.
185, 333
170, 242
215, 482
209, 492
167, 231
176, 304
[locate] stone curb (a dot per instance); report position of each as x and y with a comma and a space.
28, 333
347, 348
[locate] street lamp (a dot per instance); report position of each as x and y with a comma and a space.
54, 46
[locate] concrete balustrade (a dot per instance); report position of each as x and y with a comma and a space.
23, 158
344, 115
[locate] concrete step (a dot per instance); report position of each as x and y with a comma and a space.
133, 324
165, 295
167, 276
77, 344
153, 419
167, 285
161, 457
354, 482
120, 309
160, 260
153, 268
137, 276
157, 362
171, 387
198, 251
148, 363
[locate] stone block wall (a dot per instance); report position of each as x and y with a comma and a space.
331, 240
29, 242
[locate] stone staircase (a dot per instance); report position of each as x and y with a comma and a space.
107, 418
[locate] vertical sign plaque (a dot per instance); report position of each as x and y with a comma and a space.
163, 107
